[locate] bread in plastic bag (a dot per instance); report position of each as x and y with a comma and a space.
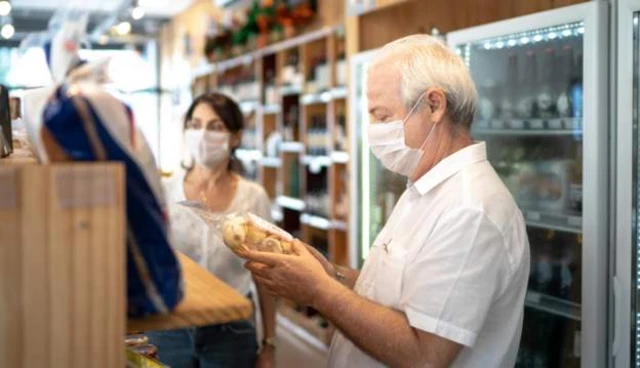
244, 231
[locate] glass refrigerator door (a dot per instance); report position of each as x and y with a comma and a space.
629, 192
378, 189
532, 115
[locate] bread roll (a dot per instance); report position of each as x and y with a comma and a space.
270, 244
234, 232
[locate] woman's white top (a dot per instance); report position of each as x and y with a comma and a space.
203, 244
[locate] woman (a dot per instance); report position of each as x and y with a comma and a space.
213, 130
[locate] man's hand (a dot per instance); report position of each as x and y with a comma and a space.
298, 277
328, 266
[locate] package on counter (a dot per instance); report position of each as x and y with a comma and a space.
78, 120
243, 231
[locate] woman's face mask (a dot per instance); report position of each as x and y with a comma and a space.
207, 148
388, 145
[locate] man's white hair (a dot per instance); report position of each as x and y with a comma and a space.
423, 62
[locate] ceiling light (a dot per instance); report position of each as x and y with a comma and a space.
5, 8
123, 28
7, 31
137, 13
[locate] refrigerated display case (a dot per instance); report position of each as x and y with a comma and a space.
543, 111
626, 283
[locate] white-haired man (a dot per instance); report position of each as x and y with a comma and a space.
445, 281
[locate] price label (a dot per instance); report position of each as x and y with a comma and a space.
8, 189
533, 216
84, 187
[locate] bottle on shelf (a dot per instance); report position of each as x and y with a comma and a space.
564, 103
487, 101
546, 95
525, 108
576, 89
341, 135
508, 92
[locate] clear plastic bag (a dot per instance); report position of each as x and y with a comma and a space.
242, 231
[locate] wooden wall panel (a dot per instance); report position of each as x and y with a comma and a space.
419, 16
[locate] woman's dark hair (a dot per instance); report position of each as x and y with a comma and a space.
230, 114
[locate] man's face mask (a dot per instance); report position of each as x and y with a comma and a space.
387, 144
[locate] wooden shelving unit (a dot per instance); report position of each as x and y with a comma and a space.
293, 95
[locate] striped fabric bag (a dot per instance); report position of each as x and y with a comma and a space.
78, 120
82, 122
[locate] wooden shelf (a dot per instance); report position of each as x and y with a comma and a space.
272, 162
291, 203
319, 161
271, 109
317, 222
340, 157
292, 147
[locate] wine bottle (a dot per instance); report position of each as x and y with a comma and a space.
546, 96
576, 89
526, 93
564, 103
509, 89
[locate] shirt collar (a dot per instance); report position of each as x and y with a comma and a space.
451, 165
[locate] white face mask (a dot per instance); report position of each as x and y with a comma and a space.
208, 149
387, 144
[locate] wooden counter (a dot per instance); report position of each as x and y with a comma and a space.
207, 301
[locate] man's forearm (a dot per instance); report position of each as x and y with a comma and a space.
381, 332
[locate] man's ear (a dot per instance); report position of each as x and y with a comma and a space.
437, 104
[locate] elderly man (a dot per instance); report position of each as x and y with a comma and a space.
446, 278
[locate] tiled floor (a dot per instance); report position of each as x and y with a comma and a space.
296, 349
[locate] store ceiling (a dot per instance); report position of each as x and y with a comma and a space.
32, 16
154, 8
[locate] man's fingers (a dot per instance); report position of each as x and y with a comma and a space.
299, 248
269, 286
257, 268
270, 259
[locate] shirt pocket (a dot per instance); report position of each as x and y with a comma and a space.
389, 275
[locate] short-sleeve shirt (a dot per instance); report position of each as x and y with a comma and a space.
454, 257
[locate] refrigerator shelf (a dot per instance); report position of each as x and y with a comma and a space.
553, 305
554, 221
560, 126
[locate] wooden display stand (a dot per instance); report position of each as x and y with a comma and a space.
62, 265
62, 270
